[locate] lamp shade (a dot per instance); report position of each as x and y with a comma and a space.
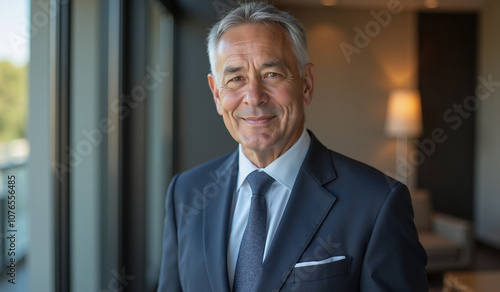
404, 114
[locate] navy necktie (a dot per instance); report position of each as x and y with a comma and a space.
251, 254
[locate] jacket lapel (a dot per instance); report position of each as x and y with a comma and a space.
216, 222
307, 208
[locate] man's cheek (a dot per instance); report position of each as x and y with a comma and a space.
283, 98
230, 106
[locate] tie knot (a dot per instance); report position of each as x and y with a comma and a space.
259, 182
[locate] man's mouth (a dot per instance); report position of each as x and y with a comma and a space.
260, 120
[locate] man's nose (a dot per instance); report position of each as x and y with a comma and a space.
255, 94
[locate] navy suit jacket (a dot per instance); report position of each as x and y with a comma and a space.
338, 207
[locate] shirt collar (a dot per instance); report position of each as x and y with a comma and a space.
284, 169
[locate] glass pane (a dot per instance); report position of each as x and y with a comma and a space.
14, 148
159, 136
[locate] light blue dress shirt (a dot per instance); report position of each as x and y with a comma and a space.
284, 170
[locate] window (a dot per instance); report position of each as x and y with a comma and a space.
100, 114
159, 132
14, 147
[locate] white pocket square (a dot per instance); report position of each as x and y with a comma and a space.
315, 263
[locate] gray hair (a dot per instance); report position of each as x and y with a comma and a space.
258, 12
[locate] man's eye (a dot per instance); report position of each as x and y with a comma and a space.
236, 79
273, 75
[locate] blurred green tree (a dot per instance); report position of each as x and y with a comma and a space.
13, 101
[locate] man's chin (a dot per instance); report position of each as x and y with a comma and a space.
258, 142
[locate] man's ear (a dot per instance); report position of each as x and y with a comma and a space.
309, 74
215, 92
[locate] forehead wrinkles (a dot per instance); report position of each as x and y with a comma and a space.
257, 54
256, 57
251, 41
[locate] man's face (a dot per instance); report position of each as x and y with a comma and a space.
259, 91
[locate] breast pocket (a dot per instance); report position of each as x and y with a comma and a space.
321, 270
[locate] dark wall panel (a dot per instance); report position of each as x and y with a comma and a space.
447, 80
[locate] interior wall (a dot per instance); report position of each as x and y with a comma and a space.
352, 83
487, 187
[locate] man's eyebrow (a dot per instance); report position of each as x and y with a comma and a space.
231, 69
268, 64
273, 63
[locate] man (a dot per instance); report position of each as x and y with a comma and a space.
282, 213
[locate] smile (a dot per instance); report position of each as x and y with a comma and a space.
258, 120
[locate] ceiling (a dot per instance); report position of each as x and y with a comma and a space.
444, 5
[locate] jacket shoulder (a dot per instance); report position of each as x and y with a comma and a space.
210, 170
330, 166
357, 173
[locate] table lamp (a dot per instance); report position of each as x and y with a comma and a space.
404, 122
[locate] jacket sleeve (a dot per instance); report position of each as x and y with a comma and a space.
169, 274
394, 260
